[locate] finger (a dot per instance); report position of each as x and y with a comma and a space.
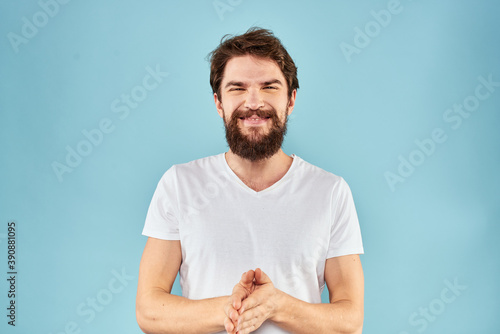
228, 325
249, 275
234, 316
247, 279
236, 298
231, 313
239, 293
244, 287
250, 321
244, 276
261, 277
249, 303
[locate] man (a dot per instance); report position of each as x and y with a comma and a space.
288, 226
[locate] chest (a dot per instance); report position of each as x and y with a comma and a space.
280, 230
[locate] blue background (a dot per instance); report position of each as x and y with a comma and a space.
356, 116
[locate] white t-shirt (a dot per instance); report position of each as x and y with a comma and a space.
226, 228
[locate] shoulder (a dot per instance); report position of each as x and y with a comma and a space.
198, 169
312, 173
314, 179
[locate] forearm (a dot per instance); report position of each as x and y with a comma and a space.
297, 316
159, 312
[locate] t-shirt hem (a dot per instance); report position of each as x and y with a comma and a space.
344, 252
161, 235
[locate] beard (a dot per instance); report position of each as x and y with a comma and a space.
256, 145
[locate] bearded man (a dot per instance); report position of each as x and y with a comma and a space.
288, 226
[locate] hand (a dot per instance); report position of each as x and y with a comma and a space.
240, 292
259, 306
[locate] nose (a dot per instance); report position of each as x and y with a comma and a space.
253, 100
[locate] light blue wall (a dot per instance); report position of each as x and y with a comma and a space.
363, 105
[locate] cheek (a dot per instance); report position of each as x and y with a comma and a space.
226, 117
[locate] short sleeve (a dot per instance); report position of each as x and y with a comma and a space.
162, 217
345, 233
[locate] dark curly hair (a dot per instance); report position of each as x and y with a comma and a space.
256, 42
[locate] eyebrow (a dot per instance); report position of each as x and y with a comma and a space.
234, 83
265, 83
272, 82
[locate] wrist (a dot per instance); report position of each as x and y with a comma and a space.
224, 302
279, 306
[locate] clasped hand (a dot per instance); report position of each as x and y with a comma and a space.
252, 302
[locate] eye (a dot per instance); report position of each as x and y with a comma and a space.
270, 87
235, 89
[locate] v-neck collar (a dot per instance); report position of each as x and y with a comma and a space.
250, 190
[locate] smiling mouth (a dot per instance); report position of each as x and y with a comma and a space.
254, 120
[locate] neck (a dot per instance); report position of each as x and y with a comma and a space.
259, 175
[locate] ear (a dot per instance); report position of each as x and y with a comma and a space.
218, 105
291, 102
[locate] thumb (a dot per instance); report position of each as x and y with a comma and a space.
247, 278
236, 302
261, 277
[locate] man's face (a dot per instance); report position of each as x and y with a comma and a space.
254, 105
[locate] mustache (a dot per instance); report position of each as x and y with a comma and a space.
262, 113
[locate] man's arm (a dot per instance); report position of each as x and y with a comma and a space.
344, 313
160, 312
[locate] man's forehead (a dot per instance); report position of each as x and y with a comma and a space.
244, 68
